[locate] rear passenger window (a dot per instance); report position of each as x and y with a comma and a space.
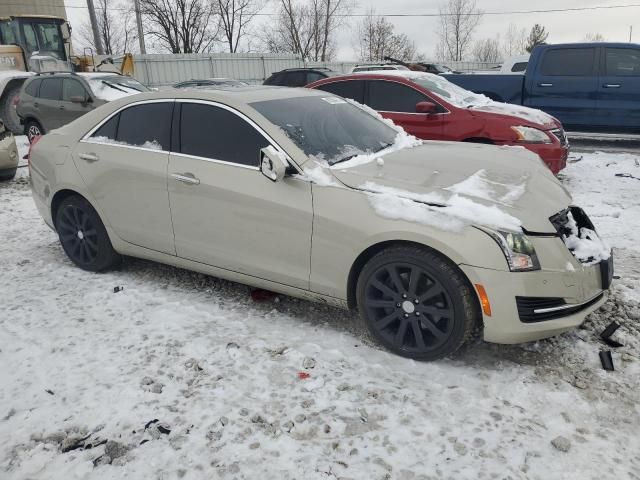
623, 62
313, 77
353, 89
393, 97
147, 125
108, 129
568, 62
32, 88
519, 67
218, 134
51, 89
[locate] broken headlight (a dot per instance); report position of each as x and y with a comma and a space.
518, 250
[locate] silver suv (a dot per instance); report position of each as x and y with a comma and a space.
49, 101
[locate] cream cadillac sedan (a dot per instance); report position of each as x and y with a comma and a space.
307, 194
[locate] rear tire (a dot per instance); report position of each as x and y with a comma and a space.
416, 303
83, 235
8, 175
33, 129
8, 112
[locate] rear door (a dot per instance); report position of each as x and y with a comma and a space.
124, 166
618, 102
48, 105
565, 84
69, 110
397, 102
225, 212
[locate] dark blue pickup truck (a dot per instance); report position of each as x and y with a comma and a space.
587, 86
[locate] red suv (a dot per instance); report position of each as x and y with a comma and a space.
432, 108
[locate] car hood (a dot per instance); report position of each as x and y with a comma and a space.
519, 114
511, 179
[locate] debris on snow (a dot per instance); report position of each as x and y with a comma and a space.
607, 360
561, 443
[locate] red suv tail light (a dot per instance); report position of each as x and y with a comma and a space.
34, 140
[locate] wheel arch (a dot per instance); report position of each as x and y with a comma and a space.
14, 82
482, 140
59, 196
372, 250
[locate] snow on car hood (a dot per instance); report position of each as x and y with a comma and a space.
498, 187
529, 114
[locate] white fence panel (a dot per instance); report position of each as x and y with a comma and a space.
161, 70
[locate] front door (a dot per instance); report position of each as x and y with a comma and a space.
618, 102
397, 102
565, 85
69, 110
124, 166
225, 212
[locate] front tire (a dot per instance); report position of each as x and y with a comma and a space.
8, 111
33, 129
416, 303
83, 235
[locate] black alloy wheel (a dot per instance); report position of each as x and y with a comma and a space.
83, 235
416, 303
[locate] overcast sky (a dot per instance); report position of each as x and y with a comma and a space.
562, 26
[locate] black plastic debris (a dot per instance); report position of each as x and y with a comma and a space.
607, 332
626, 175
162, 429
144, 441
117, 289
150, 422
607, 360
50, 392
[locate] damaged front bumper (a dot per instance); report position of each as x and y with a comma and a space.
528, 306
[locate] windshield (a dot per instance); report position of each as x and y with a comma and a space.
110, 88
449, 92
327, 128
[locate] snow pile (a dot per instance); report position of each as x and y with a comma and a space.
479, 186
531, 114
449, 214
319, 174
150, 144
585, 244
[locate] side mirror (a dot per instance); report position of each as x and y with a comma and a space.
78, 99
273, 165
426, 107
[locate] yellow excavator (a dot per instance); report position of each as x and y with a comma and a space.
30, 44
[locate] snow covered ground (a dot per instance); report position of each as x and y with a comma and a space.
224, 375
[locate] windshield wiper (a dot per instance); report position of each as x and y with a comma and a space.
384, 145
129, 86
109, 84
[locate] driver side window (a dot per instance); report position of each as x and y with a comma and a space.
218, 134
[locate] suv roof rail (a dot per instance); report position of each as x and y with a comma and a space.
306, 68
53, 72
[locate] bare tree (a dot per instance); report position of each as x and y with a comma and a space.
537, 36
235, 16
594, 37
182, 26
306, 28
115, 29
487, 50
515, 40
458, 21
376, 39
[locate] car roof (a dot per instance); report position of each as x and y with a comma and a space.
230, 95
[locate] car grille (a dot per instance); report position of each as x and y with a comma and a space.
528, 305
560, 134
560, 221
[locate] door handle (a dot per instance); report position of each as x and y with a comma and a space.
89, 157
61, 107
36, 104
187, 178
546, 85
611, 85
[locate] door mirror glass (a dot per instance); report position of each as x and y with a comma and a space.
273, 165
77, 99
426, 107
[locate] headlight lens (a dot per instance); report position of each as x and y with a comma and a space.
531, 135
518, 250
